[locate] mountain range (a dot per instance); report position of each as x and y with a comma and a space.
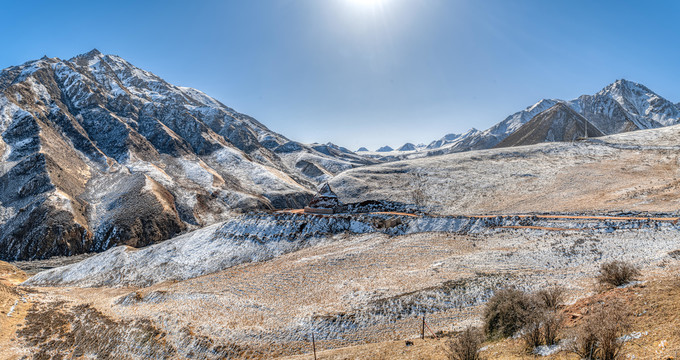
619, 107
96, 152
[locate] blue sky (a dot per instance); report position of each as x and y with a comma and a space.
361, 73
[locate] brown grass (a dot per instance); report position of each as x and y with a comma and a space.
656, 306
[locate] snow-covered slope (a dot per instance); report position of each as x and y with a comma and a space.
242, 239
95, 151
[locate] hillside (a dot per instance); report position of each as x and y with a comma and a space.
559, 123
624, 172
96, 152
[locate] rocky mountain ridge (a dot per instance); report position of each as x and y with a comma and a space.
96, 152
559, 123
619, 107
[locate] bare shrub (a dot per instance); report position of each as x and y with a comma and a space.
466, 346
507, 312
542, 328
551, 297
418, 188
616, 273
533, 334
552, 324
598, 336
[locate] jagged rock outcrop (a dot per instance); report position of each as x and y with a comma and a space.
96, 152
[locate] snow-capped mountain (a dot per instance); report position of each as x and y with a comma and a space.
621, 106
626, 106
559, 123
96, 152
407, 147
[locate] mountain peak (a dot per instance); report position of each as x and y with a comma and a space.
92, 54
624, 84
558, 123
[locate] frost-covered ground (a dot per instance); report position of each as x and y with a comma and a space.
346, 282
258, 237
624, 172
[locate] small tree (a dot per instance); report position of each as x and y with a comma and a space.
542, 328
466, 345
552, 323
533, 334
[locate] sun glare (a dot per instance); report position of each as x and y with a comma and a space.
366, 3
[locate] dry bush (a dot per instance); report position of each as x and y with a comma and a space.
552, 297
616, 273
466, 346
418, 188
598, 336
552, 324
542, 328
533, 332
508, 311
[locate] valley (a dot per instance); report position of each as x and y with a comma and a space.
140, 219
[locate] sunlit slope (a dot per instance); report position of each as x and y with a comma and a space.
631, 171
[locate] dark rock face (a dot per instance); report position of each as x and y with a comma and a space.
559, 123
95, 152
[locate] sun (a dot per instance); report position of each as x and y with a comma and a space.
366, 3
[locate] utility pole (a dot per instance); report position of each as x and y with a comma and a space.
314, 346
422, 332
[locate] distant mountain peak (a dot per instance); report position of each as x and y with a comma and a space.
407, 147
153, 153
385, 148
